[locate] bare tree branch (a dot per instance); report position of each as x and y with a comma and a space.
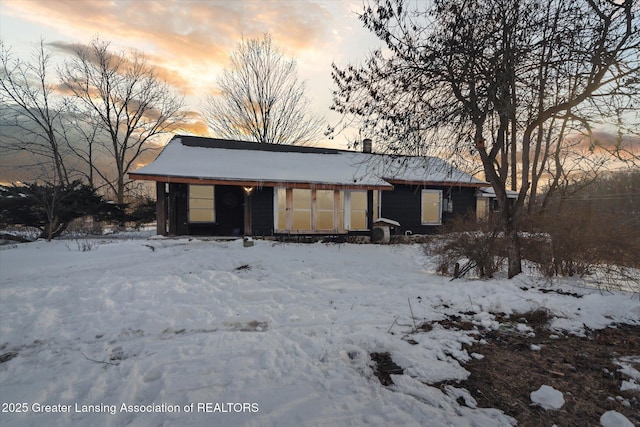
500, 77
259, 97
126, 101
28, 95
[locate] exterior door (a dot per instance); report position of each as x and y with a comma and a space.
230, 210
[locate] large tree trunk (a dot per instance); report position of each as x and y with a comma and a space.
508, 211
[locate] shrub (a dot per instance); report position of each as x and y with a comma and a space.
582, 239
141, 212
466, 245
578, 241
51, 208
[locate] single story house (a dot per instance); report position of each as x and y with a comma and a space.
219, 187
488, 202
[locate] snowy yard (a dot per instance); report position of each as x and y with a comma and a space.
164, 332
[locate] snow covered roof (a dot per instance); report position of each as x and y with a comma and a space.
194, 159
386, 221
489, 192
419, 170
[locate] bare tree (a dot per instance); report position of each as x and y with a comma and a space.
128, 102
34, 111
260, 97
86, 142
501, 77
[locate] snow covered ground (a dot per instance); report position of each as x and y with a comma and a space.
159, 332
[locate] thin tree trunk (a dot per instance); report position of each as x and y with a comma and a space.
513, 251
120, 194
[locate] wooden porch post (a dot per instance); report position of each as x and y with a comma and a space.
247, 214
370, 208
161, 209
172, 210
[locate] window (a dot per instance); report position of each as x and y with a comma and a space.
301, 203
302, 210
201, 203
340, 210
482, 208
281, 208
358, 210
377, 205
324, 209
431, 207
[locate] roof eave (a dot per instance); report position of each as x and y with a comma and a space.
256, 183
477, 184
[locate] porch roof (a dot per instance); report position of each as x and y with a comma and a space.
211, 161
489, 192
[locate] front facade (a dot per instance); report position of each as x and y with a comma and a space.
218, 187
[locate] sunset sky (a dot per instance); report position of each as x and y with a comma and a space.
189, 41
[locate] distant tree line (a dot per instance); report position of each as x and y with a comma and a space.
614, 194
594, 223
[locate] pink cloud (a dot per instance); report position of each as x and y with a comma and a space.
182, 30
188, 41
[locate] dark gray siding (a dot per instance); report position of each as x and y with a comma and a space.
178, 199
403, 204
464, 202
226, 223
262, 212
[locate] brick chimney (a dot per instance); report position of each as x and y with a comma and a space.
366, 145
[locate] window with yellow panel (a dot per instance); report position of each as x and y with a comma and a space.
431, 207
299, 210
301, 204
324, 209
340, 209
482, 208
201, 203
376, 204
281, 208
358, 210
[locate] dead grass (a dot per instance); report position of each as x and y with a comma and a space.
517, 361
582, 368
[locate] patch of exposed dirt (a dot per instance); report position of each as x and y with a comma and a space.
5, 357
523, 354
384, 367
582, 368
